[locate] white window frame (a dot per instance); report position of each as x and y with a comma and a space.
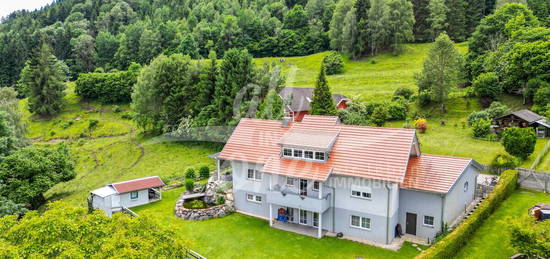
426, 224
324, 156
312, 154
318, 185
253, 198
361, 220
466, 186
303, 154
289, 149
256, 175
304, 222
295, 150
361, 194
291, 179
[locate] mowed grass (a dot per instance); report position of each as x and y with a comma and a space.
241, 236
492, 239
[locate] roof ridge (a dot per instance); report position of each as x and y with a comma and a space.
137, 179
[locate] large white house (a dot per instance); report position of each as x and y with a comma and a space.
365, 183
123, 195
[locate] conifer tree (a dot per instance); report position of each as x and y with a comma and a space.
45, 84
456, 20
322, 103
421, 24
437, 17
362, 15
271, 107
208, 82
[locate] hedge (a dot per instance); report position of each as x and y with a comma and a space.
108, 87
451, 244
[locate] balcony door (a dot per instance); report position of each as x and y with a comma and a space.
303, 187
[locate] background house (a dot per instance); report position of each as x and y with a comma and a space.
299, 101
523, 119
118, 196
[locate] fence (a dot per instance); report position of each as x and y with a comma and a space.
190, 254
534, 180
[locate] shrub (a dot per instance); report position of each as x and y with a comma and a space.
481, 128
451, 244
220, 200
92, 124
379, 115
126, 116
486, 85
117, 109
421, 125
519, 142
334, 64
503, 162
404, 92
542, 96
66, 124
108, 87
190, 173
496, 109
398, 109
189, 184
530, 237
204, 172
424, 98
532, 86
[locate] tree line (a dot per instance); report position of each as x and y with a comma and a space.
86, 34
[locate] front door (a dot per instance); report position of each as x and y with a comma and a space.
115, 199
303, 187
411, 224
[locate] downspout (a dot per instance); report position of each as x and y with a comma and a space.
333, 209
442, 211
388, 215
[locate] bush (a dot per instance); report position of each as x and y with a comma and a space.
486, 85
190, 173
220, 200
532, 86
108, 87
204, 172
398, 109
117, 109
92, 124
421, 125
542, 96
496, 109
530, 237
334, 64
379, 115
189, 184
424, 98
449, 246
404, 92
481, 128
503, 162
519, 142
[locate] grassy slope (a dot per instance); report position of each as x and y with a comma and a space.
492, 239
247, 237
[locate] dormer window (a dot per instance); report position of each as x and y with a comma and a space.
304, 154
319, 156
287, 152
308, 154
298, 153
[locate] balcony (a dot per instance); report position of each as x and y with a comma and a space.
285, 197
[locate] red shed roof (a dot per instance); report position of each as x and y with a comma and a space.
434, 173
138, 184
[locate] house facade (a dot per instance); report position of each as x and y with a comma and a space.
123, 195
298, 101
318, 176
523, 119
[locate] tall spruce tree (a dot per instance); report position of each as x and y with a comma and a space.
322, 103
400, 23
475, 10
208, 82
421, 24
378, 25
271, 107
441, 70
437, 17
45, 84
362, 16
456, 20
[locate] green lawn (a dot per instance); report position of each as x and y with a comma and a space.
492, 239
241, 236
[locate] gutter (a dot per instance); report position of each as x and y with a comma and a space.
442, 210
388, 215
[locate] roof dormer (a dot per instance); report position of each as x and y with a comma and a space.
308, 144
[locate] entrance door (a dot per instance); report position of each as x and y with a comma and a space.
303, 187
115, 199
411, 224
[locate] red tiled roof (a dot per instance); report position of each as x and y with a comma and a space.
369, 152
138, 184
434, 173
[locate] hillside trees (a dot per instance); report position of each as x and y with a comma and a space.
115, 87
271, 107
322, 103
400, 23
440, 72
75, 233
437, 17
45, 83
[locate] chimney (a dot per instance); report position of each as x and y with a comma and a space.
286, 121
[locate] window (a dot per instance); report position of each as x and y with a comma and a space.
361, 194
465, 186
287, 152
134, 195
308, 154
298, 153
254, 175
290, 212
429, 221
254, 198
315, 219
290, 181
303, 217
319, 156
360, 222
315, 186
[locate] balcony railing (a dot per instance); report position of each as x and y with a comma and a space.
286, 197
